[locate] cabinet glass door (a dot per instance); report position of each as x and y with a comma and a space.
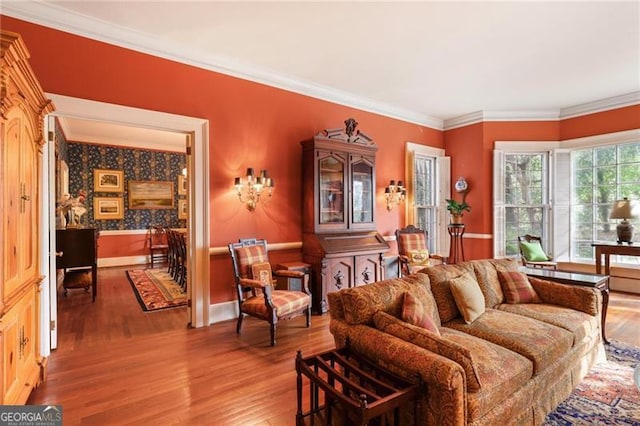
362, 192
332, 172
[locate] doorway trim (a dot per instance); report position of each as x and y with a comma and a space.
196, 131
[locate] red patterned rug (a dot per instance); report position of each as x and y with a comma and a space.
607, 396
155, 289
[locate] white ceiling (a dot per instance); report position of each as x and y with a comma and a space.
425, 62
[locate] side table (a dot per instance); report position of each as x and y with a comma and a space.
600, 282
346, 388
291, 284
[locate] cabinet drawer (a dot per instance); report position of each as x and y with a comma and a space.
367, 269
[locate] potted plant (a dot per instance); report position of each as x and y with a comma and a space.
457, 209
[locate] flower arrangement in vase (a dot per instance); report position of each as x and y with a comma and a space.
72, 209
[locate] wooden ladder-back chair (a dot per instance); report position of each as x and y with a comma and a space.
413, 251
532, 253
256, 291
158, 245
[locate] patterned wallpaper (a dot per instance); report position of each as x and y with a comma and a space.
137, 164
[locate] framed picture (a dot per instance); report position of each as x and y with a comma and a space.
108, 180
182, 209
62, 179
150, 194
182, 185
108, 208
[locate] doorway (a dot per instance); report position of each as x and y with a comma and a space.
195, 132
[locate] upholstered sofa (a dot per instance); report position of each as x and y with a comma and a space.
511, 364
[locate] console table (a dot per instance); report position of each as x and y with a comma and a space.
355, 390
607, 249
600, 282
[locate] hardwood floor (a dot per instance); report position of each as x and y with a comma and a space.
116, 364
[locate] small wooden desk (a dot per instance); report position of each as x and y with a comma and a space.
607, 249
600, 282
78, 248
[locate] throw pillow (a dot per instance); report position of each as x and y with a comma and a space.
418, 257
468, 297
533, 251
262, 272
517, 288
414, 312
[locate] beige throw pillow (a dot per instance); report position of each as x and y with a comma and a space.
468, 296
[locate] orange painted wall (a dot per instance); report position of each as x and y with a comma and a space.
600, 123
122, 246
251, 125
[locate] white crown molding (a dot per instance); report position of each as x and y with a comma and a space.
484, 116
551, 115
601, 105
61, 19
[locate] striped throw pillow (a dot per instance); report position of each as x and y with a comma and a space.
517, 288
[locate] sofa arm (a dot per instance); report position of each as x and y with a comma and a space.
443, 397
584, 299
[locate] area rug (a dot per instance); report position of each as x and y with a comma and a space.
607, 396
155, 290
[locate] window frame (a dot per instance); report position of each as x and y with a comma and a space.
442, 185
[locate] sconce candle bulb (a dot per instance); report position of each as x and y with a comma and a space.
249, 193
394, 194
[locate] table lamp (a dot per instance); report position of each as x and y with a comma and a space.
624, 209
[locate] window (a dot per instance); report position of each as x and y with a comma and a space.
424, 195
601, 175
564, 191
428, 182
526, 208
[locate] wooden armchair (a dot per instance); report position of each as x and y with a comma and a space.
413, 250
532, 254
256, 291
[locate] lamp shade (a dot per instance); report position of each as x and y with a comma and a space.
623, 209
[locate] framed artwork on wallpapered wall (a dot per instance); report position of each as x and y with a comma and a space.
182, 209
182, 185
108, 180
108, 208
150, 194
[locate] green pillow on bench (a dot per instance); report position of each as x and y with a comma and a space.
533, 252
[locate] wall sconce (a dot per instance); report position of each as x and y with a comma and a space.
394, 193
250, 190
624, 209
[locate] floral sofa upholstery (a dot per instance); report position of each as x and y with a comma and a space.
513, 364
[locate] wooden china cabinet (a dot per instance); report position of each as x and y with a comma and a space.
340, 241
22, 109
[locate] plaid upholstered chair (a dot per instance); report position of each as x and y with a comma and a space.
413, 251
255, 286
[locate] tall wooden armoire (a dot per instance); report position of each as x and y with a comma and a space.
22, 110
340, 240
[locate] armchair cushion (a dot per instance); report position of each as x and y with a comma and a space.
416, 313
533, 252
412, 241
517, 288
248, 256
285, 303
468, 296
